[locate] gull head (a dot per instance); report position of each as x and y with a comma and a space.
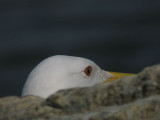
62, 72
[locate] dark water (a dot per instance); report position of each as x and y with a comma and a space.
119, 36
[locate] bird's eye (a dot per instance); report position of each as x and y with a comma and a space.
88, 71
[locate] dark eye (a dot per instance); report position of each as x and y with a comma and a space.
88, 70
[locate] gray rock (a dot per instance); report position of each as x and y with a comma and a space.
24, 108
143, 109
130, 98
118, 92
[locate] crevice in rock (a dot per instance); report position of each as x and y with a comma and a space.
144, 90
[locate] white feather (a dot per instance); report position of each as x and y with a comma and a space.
62, 72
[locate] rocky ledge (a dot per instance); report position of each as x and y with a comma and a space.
130, 98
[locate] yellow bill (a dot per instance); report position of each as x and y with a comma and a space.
118, 75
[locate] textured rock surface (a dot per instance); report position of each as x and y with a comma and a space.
131, 98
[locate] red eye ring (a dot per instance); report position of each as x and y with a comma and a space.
88, 70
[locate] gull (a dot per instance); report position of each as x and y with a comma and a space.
63, 72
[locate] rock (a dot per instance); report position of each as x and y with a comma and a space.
129, 98
24, 108
118, 92
143, 109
